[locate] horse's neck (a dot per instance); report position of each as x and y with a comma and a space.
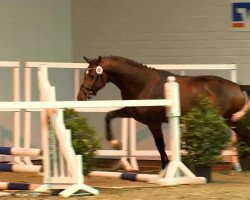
130, 80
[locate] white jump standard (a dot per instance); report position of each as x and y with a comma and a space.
62, 168
176, 172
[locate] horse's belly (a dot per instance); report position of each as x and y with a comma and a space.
149, 114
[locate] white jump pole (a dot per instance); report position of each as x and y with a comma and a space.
91, 105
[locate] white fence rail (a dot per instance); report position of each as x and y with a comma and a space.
128, 125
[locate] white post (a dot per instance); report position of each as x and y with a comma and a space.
16, 97
173, 112
124, 138
17, 114
27, 114
76, 82
175, 172
132, 131
233, 75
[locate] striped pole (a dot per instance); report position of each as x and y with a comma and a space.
17, 186
124, 176
6, 167
16, 151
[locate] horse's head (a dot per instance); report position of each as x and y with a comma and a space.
94, 79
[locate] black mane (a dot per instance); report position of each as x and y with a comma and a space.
128, 61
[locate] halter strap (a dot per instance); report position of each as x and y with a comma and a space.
89, 92
98, 69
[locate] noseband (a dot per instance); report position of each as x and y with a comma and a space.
91, 91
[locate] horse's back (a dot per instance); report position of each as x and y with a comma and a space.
226, 94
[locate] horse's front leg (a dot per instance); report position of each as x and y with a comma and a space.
121, 113
156, 131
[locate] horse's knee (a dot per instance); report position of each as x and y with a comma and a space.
107, 118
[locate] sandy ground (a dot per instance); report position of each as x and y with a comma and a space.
225, 185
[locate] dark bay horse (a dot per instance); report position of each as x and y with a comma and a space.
137, 81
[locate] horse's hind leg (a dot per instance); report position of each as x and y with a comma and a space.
121, 113
159, 141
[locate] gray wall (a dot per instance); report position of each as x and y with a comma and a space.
33, 30
159, 31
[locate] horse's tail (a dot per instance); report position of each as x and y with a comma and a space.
245, 89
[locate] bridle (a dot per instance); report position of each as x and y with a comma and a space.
91, 91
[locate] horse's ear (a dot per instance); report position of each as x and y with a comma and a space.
86, 59
99, 60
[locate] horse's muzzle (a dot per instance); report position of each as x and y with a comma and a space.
82, 96
85, 93
79, 98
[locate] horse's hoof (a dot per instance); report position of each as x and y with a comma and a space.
116, 144
162, 173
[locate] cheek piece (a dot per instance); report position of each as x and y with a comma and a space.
90, 91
